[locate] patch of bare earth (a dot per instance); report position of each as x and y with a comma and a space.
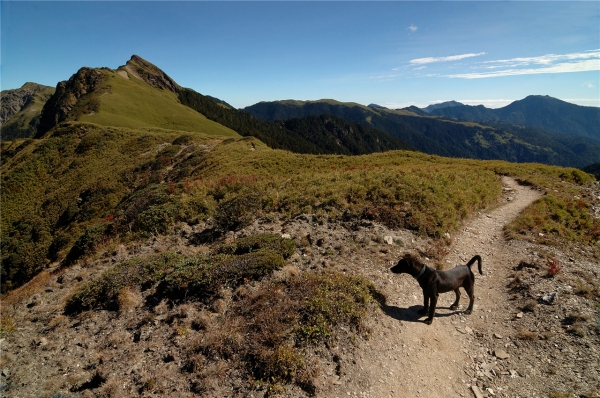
514, 344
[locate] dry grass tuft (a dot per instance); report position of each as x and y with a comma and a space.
128, 299
529, 305
23, 293
525, 334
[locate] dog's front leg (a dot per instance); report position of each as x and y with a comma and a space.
431, 309
425, 308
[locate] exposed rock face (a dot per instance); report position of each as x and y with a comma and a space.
71, 99
151, 74
14, 101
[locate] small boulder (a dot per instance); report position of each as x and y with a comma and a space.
549, 298
501, 354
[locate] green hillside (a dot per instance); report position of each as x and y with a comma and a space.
74, 178
140, 95
120, 98
131, 102
84, 186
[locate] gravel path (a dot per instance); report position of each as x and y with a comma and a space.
408, 358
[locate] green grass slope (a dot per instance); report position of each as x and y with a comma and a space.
83, 186
131, 102
123, 98
56, 188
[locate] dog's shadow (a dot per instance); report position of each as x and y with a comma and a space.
410, 314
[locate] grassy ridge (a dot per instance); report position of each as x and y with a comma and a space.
134, 104
563, 215
84, 185
403, 189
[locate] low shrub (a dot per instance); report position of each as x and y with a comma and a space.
251, 243
332, 299
237, 212
202, 277
183, 139
104, 291
88, 241
553, 267
269, 331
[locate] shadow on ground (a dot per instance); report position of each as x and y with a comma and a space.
411, 314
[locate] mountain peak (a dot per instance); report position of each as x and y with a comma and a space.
150, 73
441, 105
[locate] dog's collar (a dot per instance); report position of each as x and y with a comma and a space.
422, 272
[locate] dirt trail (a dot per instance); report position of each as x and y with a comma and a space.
405, 357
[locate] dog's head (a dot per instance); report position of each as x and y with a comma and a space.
404, 266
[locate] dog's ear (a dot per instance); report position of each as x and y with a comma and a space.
407, 256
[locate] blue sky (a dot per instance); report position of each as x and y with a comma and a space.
394, 54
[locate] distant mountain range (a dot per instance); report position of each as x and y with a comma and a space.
535, 110
446, 137
20, 109
140, 95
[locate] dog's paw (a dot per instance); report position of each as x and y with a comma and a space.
454, 307
468, 312
428, 321
423, 311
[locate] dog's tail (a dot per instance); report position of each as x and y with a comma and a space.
478, 259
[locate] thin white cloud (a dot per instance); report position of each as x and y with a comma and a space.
588, 85
564, 67
584, 101
420, 67
547, 59
489, 103
383, 76
412, 28
429, 60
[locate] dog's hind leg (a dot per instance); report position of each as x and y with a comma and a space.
471, 293
455, 304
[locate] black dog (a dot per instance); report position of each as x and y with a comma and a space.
435, 282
